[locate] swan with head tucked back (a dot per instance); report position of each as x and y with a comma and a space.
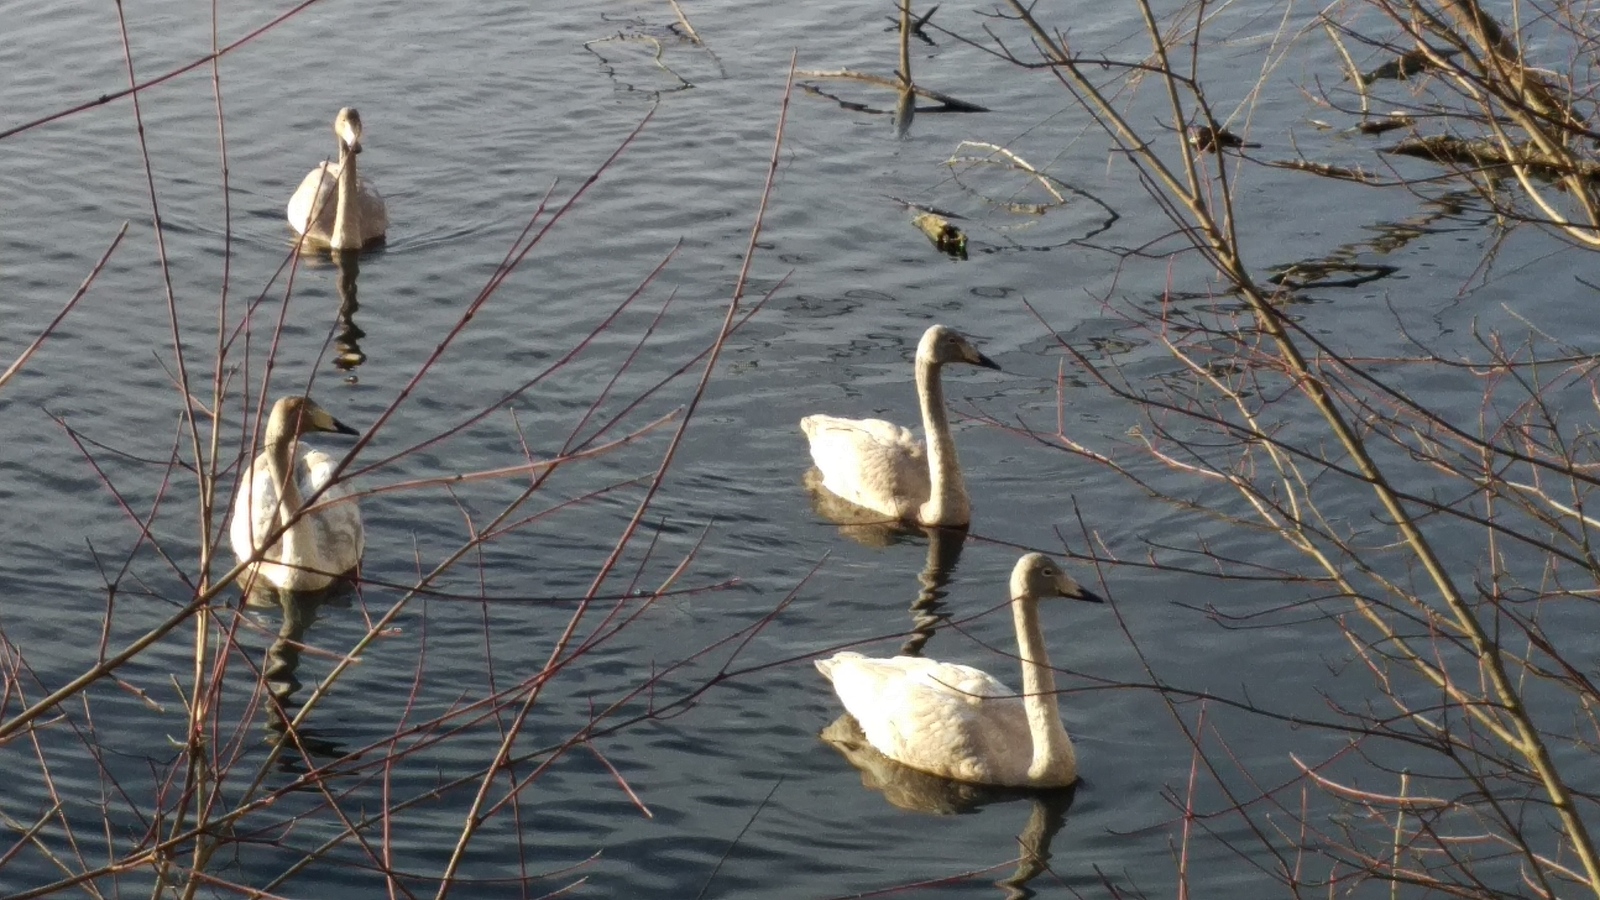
883, 468
961, 723
317, 546
334, 206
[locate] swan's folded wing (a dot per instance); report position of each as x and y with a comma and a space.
374, 214
942, 718
340, 538
872, 463
255, 510
317, 191
962, 684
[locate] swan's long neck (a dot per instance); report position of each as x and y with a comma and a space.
947, 497
347, 207
1053, 759
280, 464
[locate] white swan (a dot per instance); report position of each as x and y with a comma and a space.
333, 206
882, 467
961, 723
320, 545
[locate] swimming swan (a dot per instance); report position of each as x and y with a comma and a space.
879, 466
961, 723
333, 206
321, 545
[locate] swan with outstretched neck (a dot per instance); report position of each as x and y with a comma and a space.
318, 546
962, 723
334, 206
885, 470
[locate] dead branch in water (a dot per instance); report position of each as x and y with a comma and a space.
684, 21
946, 102
1483, 153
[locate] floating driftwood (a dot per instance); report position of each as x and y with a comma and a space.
1485, 153
948, 238
946, 102
1388, 123
1214, 140
1328, 273
1327, 170
1406, 65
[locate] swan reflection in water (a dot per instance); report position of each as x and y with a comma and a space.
280, 669
927, 610
347, 334
908, 789
944, 553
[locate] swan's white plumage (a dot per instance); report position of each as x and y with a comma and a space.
886, 469
314, 209
944, 718
319, 191
322, 544
889, 474
962, 723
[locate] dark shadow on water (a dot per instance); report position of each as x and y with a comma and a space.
1354, 264
916, 791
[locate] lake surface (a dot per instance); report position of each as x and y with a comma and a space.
474, 114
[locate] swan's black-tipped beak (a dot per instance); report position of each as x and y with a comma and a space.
986, 362
348, 127
1088, 596
341, 428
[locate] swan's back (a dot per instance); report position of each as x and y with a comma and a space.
319, 193
870, 463
946, 719
340, 537
329, 542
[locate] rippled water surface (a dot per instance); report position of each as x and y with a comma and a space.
476, 114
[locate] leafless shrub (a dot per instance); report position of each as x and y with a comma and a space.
1454, 554
204, 793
